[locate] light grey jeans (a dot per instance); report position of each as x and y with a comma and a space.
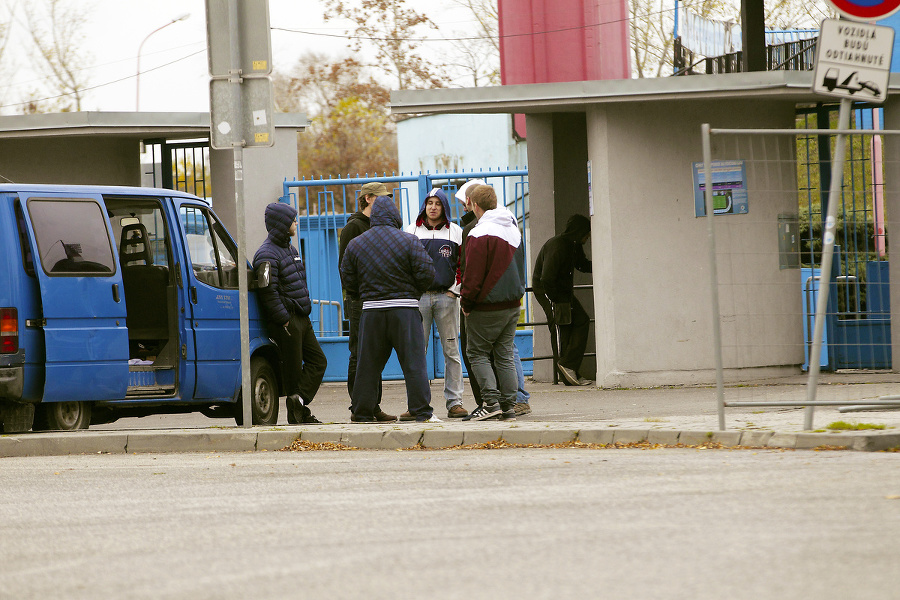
443, 310
492, 332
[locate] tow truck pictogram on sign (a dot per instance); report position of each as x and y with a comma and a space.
852, 83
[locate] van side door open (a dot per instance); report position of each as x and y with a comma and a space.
213, 299
82, 296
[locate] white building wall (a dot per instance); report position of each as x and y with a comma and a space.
651, 275
456, 143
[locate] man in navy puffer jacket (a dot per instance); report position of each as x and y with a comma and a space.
286, 306
388, 269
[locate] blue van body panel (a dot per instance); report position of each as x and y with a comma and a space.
215, 325
12, 371
86, 353
20, 290
85, 337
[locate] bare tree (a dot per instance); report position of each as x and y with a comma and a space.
396, 33
56, 28
652, 25
7, 12
797, 14
477, 53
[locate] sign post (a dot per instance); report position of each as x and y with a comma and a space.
240, 115
853, 62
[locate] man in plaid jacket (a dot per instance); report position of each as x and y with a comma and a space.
388, 270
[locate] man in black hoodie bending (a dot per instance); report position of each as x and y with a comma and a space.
358, 223
553, 279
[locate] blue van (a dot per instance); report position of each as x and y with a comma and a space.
121, 301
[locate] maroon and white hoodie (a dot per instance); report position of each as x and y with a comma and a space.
494, 274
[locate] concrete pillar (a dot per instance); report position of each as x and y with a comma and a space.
557, 181
542, 219
264, 171
601, 242
753, 34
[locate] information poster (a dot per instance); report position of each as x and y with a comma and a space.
729, 186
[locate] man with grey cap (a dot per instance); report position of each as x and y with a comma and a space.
358, 223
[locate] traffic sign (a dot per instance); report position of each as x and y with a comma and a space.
241, 106
244, 24
853, 60
866, 10
244, 119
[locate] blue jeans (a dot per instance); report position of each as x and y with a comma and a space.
522, 396
492, 334
443, 310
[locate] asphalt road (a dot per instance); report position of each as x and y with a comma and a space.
515, 523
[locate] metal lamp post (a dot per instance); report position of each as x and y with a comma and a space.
137, 98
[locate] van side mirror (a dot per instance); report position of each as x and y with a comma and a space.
261, 275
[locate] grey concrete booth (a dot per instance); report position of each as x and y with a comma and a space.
651, 278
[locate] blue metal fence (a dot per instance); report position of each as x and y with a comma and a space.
324, 206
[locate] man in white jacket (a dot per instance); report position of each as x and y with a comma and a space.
440, 304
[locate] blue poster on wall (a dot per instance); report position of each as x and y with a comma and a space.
729, 188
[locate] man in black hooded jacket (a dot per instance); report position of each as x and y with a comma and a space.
286, 306
388, 270
357, 224
553, 279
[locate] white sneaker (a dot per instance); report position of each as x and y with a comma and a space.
433, 419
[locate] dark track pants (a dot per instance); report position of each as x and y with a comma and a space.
354, 312
302, 359
383, 330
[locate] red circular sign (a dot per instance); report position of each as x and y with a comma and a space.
866, 10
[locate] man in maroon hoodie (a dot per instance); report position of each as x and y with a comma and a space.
493, 284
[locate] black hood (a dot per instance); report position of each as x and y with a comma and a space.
279, 217
577, 227
384, 213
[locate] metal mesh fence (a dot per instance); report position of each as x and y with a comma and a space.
768, 236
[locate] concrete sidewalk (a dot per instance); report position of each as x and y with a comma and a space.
670, 416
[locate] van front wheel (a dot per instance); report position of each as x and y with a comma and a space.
63, 416
264, 404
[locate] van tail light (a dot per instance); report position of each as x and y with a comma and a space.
9, 331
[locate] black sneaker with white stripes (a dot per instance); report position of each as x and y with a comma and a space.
483, 412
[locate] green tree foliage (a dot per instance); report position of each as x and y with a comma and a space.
350, 131
855, 218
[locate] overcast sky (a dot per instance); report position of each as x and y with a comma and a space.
174, 69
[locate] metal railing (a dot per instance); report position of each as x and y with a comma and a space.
340, 313
554, 331
796, 55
